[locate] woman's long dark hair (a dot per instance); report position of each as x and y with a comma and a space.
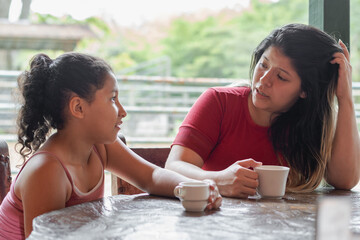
46, 89
303, 135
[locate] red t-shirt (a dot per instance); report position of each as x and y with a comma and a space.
220, 129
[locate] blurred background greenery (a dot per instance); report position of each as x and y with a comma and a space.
212, 45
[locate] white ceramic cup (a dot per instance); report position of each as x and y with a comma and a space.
192, 191
272, 180
194, 206
193, 195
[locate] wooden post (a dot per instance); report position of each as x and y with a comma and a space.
331, 16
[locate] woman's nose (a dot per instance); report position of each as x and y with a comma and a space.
266, 78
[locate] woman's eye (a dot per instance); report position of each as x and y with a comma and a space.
263, 65
281, 78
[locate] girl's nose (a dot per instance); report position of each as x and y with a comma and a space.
121, 112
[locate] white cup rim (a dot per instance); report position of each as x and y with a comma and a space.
194, 184
272, 168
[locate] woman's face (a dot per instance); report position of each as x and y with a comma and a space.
276, 86
104, 113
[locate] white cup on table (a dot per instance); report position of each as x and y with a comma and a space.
193, 195
272, 181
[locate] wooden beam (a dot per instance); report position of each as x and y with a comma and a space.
331, 16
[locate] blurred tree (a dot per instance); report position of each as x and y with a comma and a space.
216, 47
109, 44
196, 48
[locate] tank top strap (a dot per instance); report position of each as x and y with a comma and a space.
56, 157
99, 156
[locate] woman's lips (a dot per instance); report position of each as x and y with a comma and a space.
261, 93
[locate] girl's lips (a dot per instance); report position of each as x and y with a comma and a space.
118, 124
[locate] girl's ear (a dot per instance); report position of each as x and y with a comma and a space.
76, 107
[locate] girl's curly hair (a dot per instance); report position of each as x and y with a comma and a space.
46, 89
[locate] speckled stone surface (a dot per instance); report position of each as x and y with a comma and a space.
150, 217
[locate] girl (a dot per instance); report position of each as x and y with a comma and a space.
286, 117
76, 95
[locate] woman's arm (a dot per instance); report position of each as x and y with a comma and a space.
235, 181
343, 170
155, 180
43, 187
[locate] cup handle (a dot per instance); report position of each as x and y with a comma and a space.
178, 192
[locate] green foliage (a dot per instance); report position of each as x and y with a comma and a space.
217, 48
195, 48
50, 19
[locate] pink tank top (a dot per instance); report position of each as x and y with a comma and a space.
11, 209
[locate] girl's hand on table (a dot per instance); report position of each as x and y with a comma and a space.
215, 198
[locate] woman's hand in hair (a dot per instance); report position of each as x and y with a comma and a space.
343, 169
344, 85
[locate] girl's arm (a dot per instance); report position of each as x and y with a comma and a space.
343, 169
150, 178
42, 186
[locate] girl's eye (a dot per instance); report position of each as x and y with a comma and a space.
113, 99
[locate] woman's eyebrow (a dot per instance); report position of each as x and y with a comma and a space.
281, 69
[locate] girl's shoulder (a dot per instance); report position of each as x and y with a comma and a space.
41, 170
41, 162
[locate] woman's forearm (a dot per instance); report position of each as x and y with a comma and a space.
190, 170
343, 169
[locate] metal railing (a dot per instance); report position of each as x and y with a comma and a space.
156, 106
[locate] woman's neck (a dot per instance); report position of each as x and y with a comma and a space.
260, 117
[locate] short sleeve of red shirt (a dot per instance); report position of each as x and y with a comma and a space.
201, 127
219, 128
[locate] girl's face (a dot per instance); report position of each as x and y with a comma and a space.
104, 113
276, 86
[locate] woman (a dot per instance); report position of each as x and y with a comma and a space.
287, 117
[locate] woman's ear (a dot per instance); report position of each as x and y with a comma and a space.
303, 94
76, 107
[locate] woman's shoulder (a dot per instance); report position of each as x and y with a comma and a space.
233, 95
232, 90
